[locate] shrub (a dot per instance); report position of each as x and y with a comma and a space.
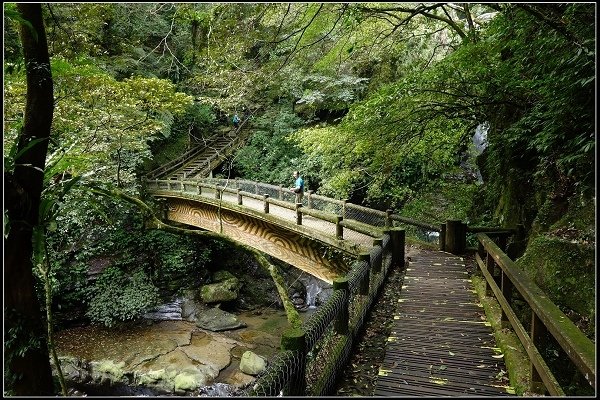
118, 297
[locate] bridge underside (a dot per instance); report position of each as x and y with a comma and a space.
293, 248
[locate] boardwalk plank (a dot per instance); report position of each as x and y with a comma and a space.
440, 343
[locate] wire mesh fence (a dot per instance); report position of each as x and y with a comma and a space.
327, 349
283, 370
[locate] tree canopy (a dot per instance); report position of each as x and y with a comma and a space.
374, 102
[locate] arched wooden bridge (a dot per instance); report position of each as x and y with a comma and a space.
440, 343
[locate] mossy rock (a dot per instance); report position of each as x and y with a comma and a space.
107, 371
579, 221
222, 275
564, 270
226, 290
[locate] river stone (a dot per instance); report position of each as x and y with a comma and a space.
107, 371
175, 371
252, 364
191, 379
240, 379
226, 290
214, 351
73, 369
190, 309
215, 320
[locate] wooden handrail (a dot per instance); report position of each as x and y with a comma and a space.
409, 221
579, 348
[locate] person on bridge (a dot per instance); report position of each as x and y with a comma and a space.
298, 187
236, 121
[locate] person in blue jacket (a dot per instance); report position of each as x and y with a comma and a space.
236, 121
298, 187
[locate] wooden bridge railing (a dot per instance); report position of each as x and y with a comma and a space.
452, 233
502, 278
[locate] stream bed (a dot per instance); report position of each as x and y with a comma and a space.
160, 357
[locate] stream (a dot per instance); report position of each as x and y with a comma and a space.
152, 356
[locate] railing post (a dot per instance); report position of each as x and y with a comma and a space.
480, 250
538, 336
455, 236
489, 263
364, 284
164, 209
341, 319
520, 234
507, 293
442, 237
266, 200
299, 213
237, 182
344, 201
255, 187
295, 340
217, 191
280, 192
398, 239
339, 228
377, 261
199, 185
309, 198
239, 196
388, 218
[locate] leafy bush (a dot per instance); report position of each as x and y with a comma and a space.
118, 297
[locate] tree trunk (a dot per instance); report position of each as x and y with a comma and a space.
27, 362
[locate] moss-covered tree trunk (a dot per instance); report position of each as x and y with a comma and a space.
26, 360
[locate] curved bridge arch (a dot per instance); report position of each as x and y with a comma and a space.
296, 245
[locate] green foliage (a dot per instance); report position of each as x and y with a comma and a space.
19, 339
540, 80
100, 126
117, 297
176, 258
330, 93
387, 167
268, 156
444, 201
85, 240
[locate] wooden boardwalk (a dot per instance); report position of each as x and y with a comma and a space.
440, 343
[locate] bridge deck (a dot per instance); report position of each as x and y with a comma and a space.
440, 343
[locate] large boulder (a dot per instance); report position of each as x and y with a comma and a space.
216, 320
226, 287
252, 364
